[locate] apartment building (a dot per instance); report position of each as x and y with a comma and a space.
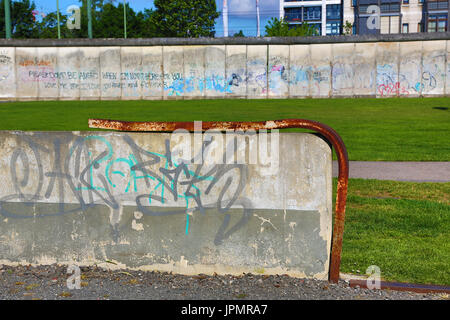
324, 15
396, 16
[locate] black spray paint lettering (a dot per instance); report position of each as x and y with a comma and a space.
76, 165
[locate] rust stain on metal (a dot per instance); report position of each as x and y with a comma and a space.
327, 132
401, 286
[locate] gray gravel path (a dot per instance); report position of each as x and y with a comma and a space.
400, 171
50, 283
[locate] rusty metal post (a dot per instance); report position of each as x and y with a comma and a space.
327, 132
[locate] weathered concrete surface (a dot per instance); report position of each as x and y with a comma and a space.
111, 88
321, 70
387, 59
91, 197
342, 69
365, 71
401, 37
433, 68
300, 71
7, 73
410, 68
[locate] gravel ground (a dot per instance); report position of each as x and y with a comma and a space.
50, 282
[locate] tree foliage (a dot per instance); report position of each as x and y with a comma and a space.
171, 18
239, 34
348, 27
280, 28
185, 18
22, 19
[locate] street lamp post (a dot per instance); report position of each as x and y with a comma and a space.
89, 14
7, 20
57, 16
125, 18
258, 32
225, 18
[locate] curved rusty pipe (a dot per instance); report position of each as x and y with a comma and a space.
330, 135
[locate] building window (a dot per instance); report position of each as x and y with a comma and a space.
390, 7
313, 13
363, 8
442, 25
293, 14
405, 28
333, 12
437, 23
437, 5
333, 27
405, 1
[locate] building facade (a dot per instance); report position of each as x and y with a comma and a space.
435, 16
325, 15
332, 17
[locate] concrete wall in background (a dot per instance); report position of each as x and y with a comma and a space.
92, 197
372, 69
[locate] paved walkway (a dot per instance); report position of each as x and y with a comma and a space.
399, 171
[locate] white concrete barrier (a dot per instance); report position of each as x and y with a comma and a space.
136, 199
320, 70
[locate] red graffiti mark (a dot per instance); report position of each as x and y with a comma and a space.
26, 63
393, 88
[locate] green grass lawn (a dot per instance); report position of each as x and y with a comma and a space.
402, 227
413, 129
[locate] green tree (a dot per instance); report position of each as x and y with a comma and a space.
185, 18
107, 21
23, 24
280, 28
48, 27
148, 28
348, 27
239, 34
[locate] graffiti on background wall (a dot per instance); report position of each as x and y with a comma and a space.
88, 171
387, 81
5, 66
254, 77
278, 79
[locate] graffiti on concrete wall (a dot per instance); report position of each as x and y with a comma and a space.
80, 172
5, 66
178, 75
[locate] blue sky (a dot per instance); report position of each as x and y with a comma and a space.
242, 13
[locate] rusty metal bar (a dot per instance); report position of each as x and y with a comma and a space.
399, 286
327, 132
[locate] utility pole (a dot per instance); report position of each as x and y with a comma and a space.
57, 16
125, 18
89, 14
225, 18
258, 31
7, 19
